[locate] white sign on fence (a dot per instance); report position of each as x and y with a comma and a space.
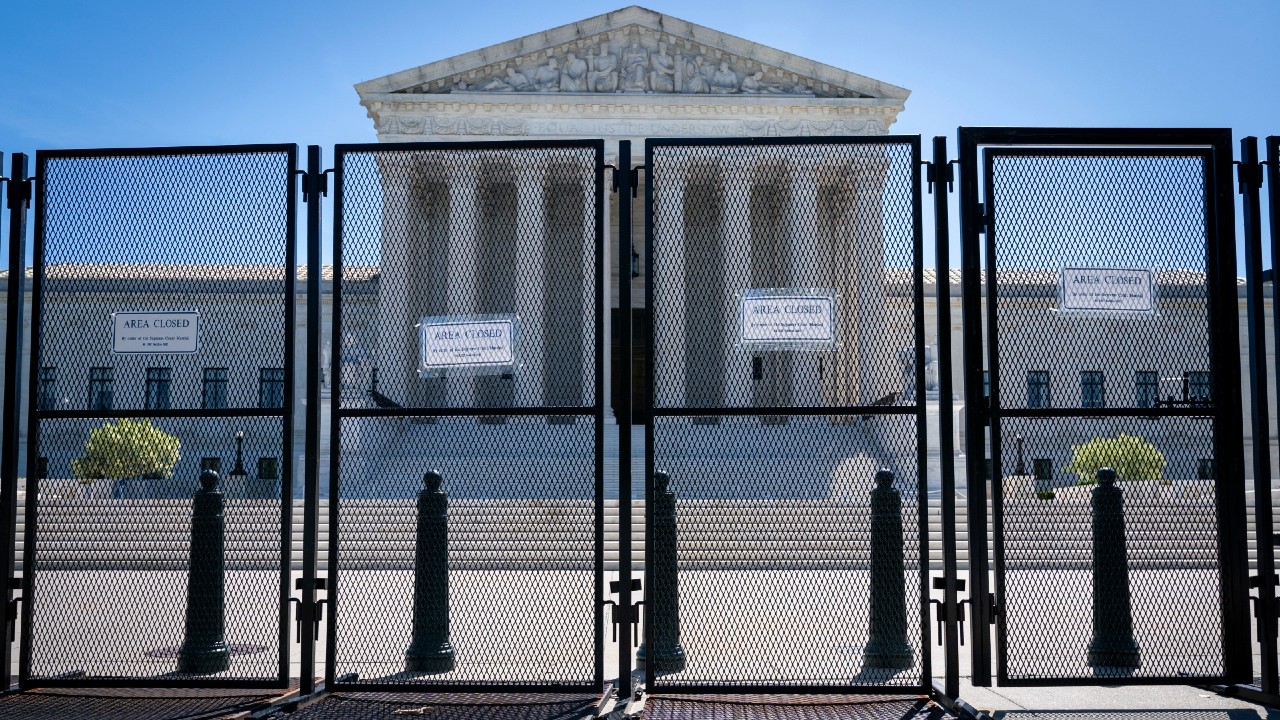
454, 343
781, 319
1106, 291
141, 333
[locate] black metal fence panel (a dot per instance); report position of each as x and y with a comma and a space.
786, 539
467, 342
1106, 349
162, 324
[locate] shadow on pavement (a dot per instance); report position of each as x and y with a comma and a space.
131, 704
792, 707
447, 706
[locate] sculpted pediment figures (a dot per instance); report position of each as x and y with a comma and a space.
634, 60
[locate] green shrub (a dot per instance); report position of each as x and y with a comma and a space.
1045, 494
1131, 456
127, 448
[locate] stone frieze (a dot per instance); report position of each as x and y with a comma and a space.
635, 60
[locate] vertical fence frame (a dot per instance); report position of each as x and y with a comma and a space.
334, 682
1214, 147
35, 414
940, 173
919, 414
18, 193
1250, 180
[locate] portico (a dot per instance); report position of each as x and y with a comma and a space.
629, 75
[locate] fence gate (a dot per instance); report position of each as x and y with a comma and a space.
162, 345
467, 340
1111, 342
786, 540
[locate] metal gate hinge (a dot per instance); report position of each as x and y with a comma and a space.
1249, 176
931, 172
993, 608
635, 180
984, 220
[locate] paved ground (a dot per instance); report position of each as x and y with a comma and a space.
108, 704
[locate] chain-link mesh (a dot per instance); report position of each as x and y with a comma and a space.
1089, 213
836, 218
773, 511
131, 408
466, 235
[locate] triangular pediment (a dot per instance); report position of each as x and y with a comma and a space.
633, 51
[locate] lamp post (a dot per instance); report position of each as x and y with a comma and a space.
237, 478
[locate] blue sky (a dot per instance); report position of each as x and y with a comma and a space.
107, 74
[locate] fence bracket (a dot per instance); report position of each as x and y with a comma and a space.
1249, 176
935, 174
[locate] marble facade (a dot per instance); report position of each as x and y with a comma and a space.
635, 74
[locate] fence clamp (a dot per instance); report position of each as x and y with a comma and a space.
932, 171
1249, 176
321, 180
635, 180
625, 613
20, 191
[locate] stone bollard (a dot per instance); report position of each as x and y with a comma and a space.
887, 635
204, 648
663, 598
430, 651
1113, 644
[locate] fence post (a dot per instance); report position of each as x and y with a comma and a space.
204, 648
1112, 644
663, 599
431, 651
887, 636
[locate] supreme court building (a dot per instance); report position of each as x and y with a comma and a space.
517, 238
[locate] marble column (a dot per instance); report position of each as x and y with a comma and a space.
530, 248
668, 280
876, 355
396, 353
587, 256
464, 220
803, 265
735, 250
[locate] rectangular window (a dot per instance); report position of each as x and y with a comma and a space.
1042, 468
215, 389
1037, 388
101, 388
268, 468
158, 388
271, 388
1206, 469
1146, 389
1092, 392
1197, 386
47, 397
